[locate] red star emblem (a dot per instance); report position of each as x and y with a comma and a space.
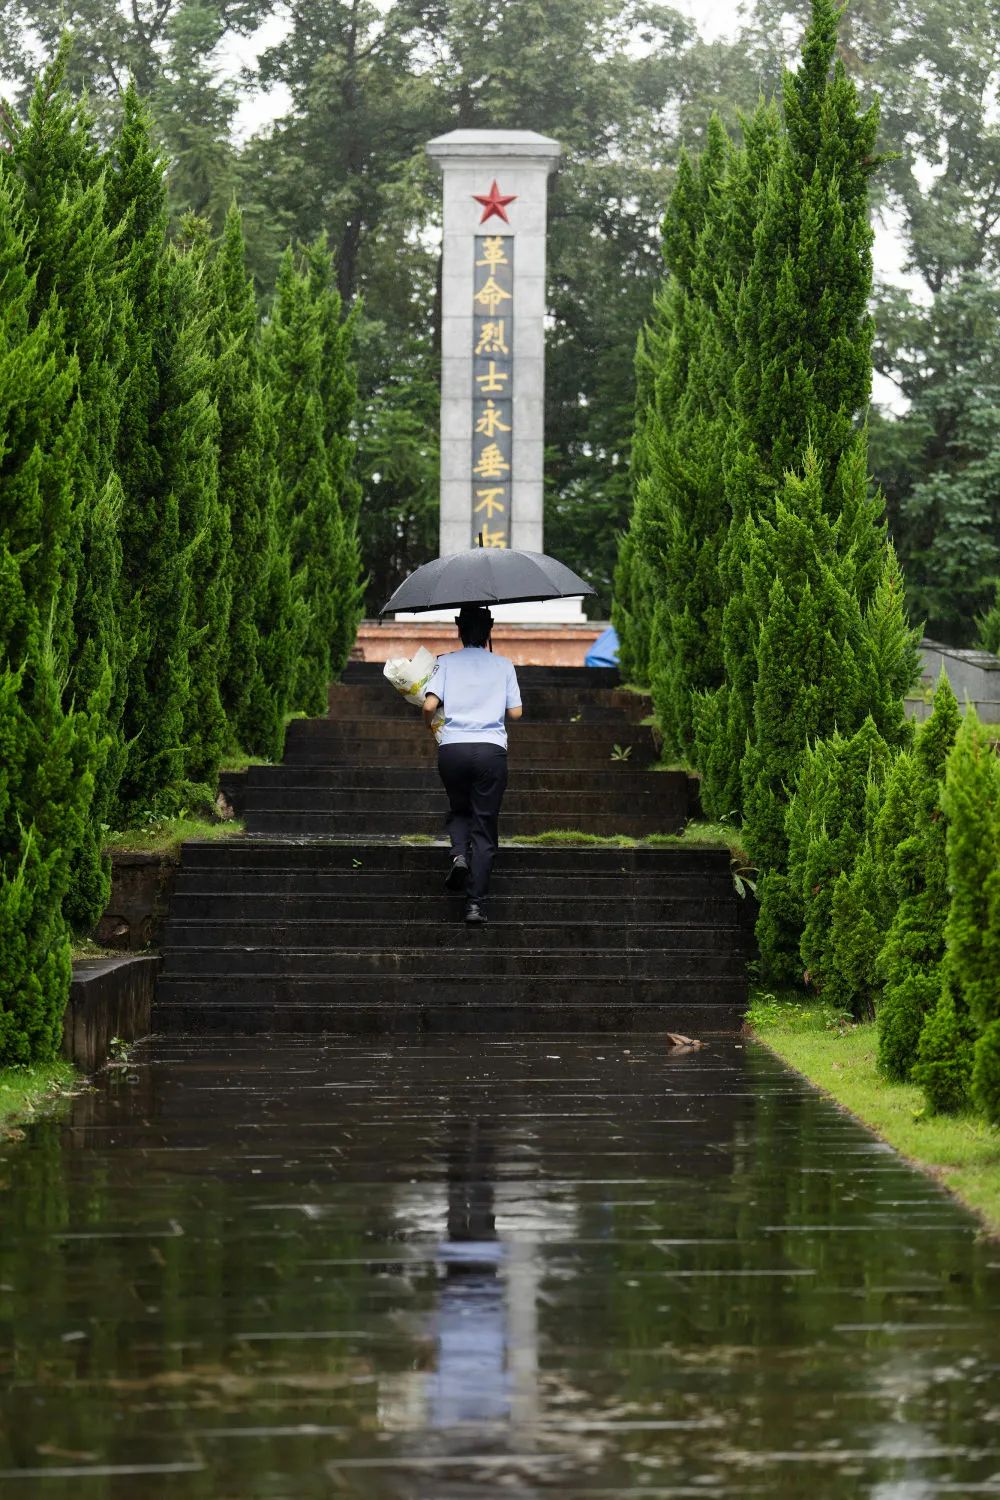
494, 202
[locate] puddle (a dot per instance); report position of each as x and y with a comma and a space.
573, 1267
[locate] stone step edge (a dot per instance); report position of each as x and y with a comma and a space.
424, 950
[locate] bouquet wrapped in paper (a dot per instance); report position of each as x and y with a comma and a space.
410, 677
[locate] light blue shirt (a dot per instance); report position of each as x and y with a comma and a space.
476, 689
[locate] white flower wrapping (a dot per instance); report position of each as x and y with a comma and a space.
410, 677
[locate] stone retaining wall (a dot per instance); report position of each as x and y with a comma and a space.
141, 885
109, 997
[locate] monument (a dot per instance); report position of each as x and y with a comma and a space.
493, 345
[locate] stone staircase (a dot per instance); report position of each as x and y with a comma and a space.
321, 918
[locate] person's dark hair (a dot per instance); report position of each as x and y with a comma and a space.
474, 624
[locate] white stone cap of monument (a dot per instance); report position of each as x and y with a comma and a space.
484, 145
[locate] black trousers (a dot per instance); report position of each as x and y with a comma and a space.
475, 778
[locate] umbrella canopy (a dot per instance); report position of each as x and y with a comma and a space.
486, 575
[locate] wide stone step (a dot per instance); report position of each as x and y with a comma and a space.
187, 1011
464, 959
381, 884
335, 731
298, 784
667, 797
421, 753
666, 907
443, 931
291, 853
554, 704
280, 997
403, 820
614, 778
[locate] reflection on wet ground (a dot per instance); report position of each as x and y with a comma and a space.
570, 1267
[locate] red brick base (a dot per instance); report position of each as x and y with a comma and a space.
526, 645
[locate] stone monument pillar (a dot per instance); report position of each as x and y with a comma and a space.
493, 336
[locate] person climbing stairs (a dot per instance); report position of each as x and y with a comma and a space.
329, 913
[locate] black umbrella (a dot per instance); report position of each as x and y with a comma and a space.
486, 575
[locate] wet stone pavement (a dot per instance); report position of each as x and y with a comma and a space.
568, 1267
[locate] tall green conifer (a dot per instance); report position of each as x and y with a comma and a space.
70, 250
814, 636
310, 508
47, 751
632, 605
155, 585
912, 844
668, 581
191, 451
339, 394
959, 1051
248, 488
803, 375
826, 828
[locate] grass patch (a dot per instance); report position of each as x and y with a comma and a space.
87, 948
694, 833
239, 761
24, 1090
962, 1152
165, 836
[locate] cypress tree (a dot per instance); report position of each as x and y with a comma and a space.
70, 251
668, 581
856, 931
190, 433
684, 440
836, 783
803, 374
946, 1049
247, 490
155, 583
690, 442
47, 752
631, 610
339, 395
310, 511
816, 670
910, 962
960, 1043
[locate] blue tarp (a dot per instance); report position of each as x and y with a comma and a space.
604, 651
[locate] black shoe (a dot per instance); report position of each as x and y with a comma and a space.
458, 875
474, 915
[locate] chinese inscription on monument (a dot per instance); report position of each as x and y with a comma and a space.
492, 388
495, 187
